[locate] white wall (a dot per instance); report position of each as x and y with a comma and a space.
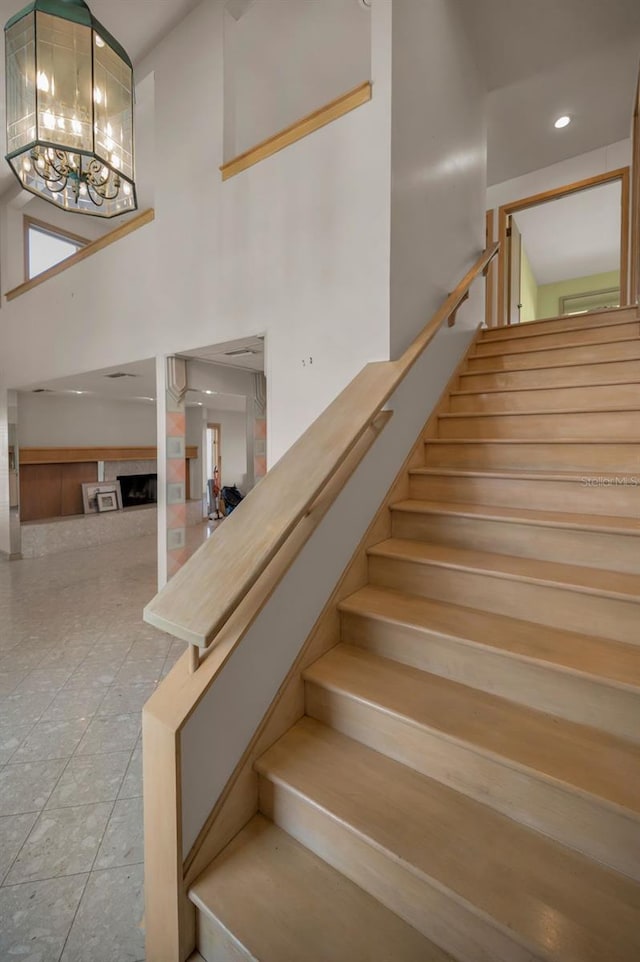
273, 76
61, 420
438, 162
594, 162
297, 248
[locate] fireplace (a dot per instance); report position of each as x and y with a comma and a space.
138, 489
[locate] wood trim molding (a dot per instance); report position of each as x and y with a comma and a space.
490, 272
625, 217
71, 455
93, 248
634, 295
301, 128
506, 210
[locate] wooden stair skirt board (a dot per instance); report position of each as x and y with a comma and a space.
465, 784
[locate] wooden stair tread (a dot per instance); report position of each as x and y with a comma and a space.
601, 658
561, 519
593, 762
625, 442
535, 412
563, 905
541, 367
556, 387
557, 347
521, 474
611, 314
520, 332
284, 904
612, 584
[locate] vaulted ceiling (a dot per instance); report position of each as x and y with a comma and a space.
544, 58
539, 59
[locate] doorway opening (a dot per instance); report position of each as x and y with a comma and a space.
214, 469
565, 251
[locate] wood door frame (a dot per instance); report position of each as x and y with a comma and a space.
635, 203
506, 210
490, 275
210, 426
509, 306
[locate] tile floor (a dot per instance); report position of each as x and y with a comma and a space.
76, 665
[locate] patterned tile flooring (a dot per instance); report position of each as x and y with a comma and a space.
76, 665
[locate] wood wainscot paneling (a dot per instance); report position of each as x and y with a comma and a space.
73, 477
53, 490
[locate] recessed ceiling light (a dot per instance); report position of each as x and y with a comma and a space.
561, 122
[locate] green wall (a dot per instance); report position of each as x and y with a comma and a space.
549, 294
528, 290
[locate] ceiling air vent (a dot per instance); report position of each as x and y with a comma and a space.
117, 374
42, 390
242, 352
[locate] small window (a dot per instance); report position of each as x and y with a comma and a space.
45, 246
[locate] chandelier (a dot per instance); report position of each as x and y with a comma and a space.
69, 109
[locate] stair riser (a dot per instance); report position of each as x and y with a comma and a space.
571, 496
573, 398
582, 823
438, 914
216, 945
561, 324
594, 460
590, 614
617, 552
624, 425
543, 687
584, 354
578, 374
559, 338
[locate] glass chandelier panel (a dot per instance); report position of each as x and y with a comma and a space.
70, 109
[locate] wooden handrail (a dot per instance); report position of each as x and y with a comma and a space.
301, 128
251, 537
105, 241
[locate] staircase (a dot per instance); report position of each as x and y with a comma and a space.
465, 784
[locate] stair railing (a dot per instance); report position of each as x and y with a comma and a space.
200, 599
212, 604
